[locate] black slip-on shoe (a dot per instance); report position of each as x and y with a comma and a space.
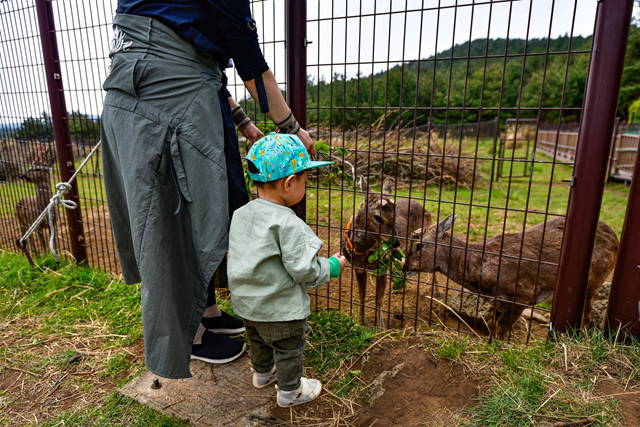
225, 324
217, 348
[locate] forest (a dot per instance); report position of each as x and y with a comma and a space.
475, 81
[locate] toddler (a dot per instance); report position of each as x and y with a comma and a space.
273, 258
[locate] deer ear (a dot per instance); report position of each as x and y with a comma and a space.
386, 186
446, 224
416, 234
364, 186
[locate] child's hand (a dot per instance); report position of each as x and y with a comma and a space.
341, 259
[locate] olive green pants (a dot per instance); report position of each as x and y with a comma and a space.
281, 343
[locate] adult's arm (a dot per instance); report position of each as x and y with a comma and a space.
278, 108
241, 40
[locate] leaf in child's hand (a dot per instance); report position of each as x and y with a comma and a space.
321, 146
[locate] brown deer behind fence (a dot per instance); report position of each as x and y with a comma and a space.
378, 218
516, 278
29, 208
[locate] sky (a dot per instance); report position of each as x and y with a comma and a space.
364, 36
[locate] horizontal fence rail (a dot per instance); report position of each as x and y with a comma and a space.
452, 107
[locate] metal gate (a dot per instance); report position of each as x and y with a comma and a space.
418, 91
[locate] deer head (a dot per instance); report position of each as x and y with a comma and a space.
39, 171
421, 254
374, 220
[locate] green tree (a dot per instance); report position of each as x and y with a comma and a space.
35, 128
630, 84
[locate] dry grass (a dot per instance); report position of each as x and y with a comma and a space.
427, 159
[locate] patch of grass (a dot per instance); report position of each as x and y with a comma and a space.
332, 338
555, 381
116, 410
348, 385
115, 365
451, 348
67, 295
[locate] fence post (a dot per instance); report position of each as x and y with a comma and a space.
612, 152
624, 300
296, 45
60, 121
613, 18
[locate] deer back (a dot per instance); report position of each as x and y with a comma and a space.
520, 266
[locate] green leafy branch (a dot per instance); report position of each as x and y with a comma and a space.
323, 150
387, 258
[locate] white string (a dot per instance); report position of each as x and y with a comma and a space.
62, 188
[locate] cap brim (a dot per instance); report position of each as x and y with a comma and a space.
315, 164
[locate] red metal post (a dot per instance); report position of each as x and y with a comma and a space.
594, 142
624, 301
60, 122
296, 45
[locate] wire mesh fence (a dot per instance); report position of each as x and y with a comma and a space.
445, 98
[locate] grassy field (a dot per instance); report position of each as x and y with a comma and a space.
71, 335
500, 204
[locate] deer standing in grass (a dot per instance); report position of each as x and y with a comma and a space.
29, 208
516, 279
378, 218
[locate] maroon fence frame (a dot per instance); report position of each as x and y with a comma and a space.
594, 144
296, 45
369, 141
623, 312
60, 121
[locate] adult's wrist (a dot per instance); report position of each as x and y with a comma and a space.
240, 118
289, 125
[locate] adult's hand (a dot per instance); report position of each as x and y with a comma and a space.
252, 133
306, 140
278, 108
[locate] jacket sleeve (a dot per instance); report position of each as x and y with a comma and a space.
240, 37
299, 247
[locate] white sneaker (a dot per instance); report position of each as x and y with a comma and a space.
262, 380
308, 391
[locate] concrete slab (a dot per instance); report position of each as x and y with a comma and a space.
216, 395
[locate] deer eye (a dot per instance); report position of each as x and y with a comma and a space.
378, 218
418, 246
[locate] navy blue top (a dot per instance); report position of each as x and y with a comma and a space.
222, 28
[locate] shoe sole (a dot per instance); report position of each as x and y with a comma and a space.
220, 361
227, 331
265, 385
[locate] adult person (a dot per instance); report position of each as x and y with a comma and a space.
165, 163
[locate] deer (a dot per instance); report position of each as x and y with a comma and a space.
516, 279
378, 218
29, 208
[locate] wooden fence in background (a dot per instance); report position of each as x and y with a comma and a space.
562, 145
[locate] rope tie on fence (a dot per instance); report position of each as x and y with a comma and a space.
58, 199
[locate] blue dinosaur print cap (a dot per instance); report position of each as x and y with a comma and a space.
279, 155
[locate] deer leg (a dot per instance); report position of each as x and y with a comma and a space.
588, 307
507, 316
361, 277
381, 286
42, 241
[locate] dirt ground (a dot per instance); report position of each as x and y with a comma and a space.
409, 386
